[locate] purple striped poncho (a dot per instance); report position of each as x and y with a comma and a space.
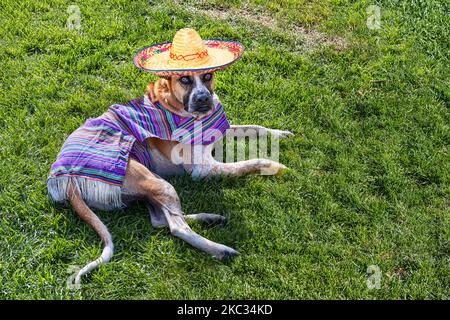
95, 156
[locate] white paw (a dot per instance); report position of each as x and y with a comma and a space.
271, 168
280, 133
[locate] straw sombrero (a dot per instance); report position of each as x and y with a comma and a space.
188, 54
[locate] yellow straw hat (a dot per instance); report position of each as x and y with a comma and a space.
188, 54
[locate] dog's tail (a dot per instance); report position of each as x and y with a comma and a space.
88, 216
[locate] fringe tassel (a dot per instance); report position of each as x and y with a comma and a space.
96, 194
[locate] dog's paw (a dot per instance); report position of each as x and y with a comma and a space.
272, 168
207, 218
227, 254
280, 134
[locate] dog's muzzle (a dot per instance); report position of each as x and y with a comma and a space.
201, 102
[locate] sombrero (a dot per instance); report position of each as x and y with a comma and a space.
188, 54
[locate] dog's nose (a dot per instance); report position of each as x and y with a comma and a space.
202, 99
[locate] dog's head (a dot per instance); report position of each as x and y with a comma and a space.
192, 93
195, 92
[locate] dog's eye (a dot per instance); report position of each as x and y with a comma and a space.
207, 76
185, 80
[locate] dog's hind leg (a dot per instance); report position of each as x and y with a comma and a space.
144, 184
240, 131
180, 229
88, 216
158, 219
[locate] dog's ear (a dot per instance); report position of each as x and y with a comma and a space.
165, 77
157, 89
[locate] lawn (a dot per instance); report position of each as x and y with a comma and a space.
369, 179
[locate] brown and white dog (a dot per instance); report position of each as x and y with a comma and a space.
194, 95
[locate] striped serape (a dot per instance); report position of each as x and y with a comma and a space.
95, 156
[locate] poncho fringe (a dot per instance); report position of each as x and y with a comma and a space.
96, 194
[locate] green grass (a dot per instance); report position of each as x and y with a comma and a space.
370, 167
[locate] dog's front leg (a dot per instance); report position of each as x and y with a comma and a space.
242, 130
158, 218
235, 169
207, 166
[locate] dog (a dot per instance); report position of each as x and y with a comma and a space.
180, 94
